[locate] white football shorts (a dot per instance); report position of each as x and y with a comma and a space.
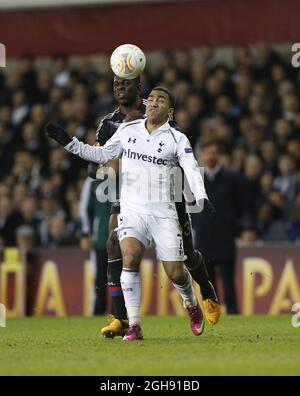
164, 233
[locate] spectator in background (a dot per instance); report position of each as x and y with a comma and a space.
74, 223
7, 150
9, 220
51, 207
271, 220
94, 217
293, 226
27, 169
58, 233
25, 240
44, 82
239, 155
269, 154
104, 100
215, 237
38, 118
86, 72
184, 122
19, 193
266, 186
20, 108
283, 131
31, 139
252, 172
28, 76
31, 218
59, 162
169, 77
4, 190
62, 71
293, 149
285, 182
181, 90
249, 236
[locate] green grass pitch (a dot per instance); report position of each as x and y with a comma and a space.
256, 345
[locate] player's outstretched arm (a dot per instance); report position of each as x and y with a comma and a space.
100, 155
192, 171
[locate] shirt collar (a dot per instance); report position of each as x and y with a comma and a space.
164, 127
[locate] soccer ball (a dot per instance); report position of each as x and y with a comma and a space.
128, 61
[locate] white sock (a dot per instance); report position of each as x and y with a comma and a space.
131, 286
187, 292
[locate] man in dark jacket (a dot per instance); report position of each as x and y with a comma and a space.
94, 217
215, 236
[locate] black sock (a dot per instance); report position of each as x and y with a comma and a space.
101, 281
114, 271
197, 268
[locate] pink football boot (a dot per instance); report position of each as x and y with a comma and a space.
196, 320
134, 333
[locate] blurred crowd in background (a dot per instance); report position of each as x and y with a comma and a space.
252, 108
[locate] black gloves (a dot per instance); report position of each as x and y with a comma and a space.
56, 132
209, 206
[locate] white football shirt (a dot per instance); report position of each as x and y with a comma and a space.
149, 165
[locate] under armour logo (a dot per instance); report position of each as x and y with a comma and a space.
160, 148
131, 140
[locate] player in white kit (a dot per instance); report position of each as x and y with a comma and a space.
150, 150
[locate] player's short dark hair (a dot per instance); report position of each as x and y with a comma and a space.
169, 93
